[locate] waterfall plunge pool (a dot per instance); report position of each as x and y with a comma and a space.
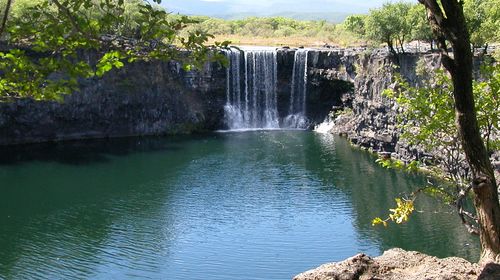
253, 205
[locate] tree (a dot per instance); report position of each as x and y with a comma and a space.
429, 111
490, 25
448, 24
50, 42
426, 119
356, 24
420, 29
475, 17
389, 25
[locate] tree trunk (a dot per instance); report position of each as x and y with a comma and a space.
391, 47
448, 23
5, 16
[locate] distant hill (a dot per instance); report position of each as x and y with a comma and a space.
333, 17
331, 10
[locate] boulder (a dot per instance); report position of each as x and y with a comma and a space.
398, 264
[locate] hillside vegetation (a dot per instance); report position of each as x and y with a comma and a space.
394, 24
277, 31
333, 17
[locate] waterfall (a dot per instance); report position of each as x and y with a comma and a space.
297, 112
251, 93
251, 99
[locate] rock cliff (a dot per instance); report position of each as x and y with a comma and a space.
370, 119
140, 99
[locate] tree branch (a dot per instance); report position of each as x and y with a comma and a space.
447, 61
440, 22
463, 214
435, 10
72, 20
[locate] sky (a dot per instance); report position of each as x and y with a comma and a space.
263, 7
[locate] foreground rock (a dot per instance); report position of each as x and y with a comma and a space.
399, 264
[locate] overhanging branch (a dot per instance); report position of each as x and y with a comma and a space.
72, 20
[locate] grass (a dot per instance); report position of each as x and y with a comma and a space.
343, 40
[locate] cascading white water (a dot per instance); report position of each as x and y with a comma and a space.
251, 93
255, 106
297, 112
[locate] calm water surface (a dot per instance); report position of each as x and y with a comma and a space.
253, 205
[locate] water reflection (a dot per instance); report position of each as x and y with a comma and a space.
434, 229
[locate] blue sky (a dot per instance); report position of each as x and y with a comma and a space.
262, 7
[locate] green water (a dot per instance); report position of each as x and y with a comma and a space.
253, 205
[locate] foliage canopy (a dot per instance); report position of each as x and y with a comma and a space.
49, 44
399, 22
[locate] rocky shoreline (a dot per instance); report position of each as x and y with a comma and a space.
368, 119
157, 98
398, 264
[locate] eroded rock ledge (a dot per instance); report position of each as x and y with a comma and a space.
398, 264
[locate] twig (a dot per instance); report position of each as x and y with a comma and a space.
72, 20
463, 214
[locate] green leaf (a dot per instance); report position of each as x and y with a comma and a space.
378, 221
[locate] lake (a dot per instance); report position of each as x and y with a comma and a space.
249, 205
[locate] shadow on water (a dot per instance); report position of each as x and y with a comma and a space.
62, 205
82, 152
371, 191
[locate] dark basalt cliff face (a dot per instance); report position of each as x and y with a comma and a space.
152, 98
372, 121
